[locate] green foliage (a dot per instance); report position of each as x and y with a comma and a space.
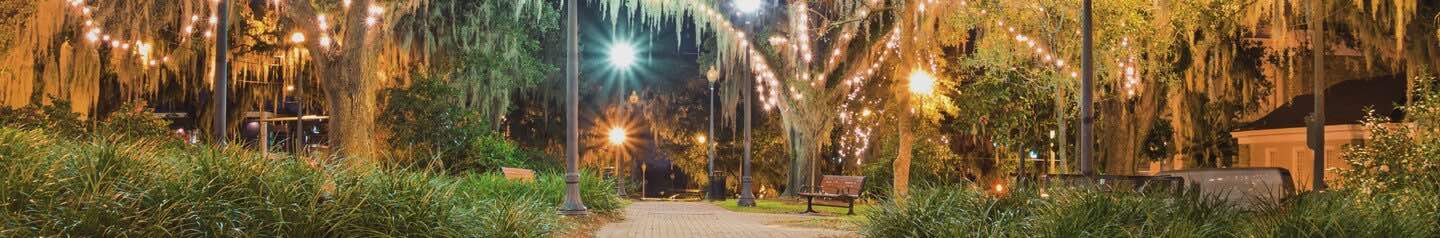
495, 51
54, 118
1082, 213
948, 211
134, 121
60, 187
959, 211
935, 163
1347, 213
428, 129
1399, 156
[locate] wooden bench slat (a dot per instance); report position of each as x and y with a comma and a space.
518, 174
835, 191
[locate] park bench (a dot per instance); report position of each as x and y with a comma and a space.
835, 191
517, 174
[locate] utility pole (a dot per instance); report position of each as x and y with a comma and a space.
1317, 120
1087, 65
222, 72
572, 206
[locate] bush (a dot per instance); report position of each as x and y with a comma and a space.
55, 118
1347, 213
1399, 156
945, 212
1084, 213
430, 129
61, 187
962, 212
134, 121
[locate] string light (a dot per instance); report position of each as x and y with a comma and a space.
297, 38
147, 54
376, 10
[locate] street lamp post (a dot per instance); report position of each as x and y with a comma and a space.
747, 197
617, 140
573, 206
622, 56
716, 192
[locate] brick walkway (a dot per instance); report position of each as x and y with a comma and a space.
692, 219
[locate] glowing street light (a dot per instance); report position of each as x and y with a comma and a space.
622, 55
617, 136
297, 38
922, 83
747, 6
700, 139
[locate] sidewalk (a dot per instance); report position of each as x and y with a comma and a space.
694, 219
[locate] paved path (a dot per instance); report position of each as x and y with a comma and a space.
693, 219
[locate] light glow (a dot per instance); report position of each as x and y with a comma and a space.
622, 55
922, 83
617, 136
297, 38
747, 6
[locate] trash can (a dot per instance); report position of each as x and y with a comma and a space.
717, 188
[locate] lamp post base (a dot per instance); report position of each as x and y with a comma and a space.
580, 212
747, 198
573, 206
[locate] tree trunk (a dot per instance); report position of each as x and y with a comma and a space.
799, 165
351, 102
1124, 130
902, 159
345, 68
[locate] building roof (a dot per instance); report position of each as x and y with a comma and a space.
1345, 104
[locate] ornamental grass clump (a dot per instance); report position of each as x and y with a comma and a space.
1076, 213
104, 187
958, 211
1349, 213
947, 211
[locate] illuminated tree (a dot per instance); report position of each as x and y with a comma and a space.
349, 48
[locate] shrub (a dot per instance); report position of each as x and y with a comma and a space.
1347, 213
1073, 213
134, 121
55, 118
962, 212
945, 212
430, 129
1399, 156
143, 188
